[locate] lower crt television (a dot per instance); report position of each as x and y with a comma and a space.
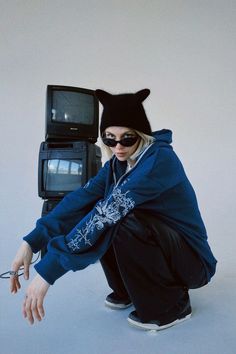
64, 167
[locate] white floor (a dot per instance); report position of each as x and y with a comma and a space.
77, 322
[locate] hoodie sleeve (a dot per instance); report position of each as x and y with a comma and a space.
68, 212
88, 241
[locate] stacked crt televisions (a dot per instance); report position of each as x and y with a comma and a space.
69, 156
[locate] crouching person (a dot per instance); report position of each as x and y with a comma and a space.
139, 216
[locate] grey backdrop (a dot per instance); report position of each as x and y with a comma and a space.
184, 51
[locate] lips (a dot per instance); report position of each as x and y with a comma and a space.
120, 154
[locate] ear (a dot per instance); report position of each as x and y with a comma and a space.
103, 96
142, 94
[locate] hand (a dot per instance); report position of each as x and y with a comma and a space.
23, 258
33, 303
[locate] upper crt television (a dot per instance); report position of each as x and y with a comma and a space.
64, 167
72, 113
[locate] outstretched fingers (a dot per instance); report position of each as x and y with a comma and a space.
27, 311
33, 303
14, 279
26, 269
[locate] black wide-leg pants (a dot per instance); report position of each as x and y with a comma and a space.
151, 264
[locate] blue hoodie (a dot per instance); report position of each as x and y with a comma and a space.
75, 230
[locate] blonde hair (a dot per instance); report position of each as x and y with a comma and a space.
144, 142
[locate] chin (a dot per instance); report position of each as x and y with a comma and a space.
122, 158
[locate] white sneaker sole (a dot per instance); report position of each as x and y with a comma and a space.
153, 326
117, 306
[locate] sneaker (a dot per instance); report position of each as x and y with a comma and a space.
115, 302
157, 325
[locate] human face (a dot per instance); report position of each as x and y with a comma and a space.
122, 153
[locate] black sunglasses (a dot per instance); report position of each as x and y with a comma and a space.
124, 142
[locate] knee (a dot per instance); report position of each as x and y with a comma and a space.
130, 224
132, 229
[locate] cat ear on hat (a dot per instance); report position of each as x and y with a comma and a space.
102, 96
142, 94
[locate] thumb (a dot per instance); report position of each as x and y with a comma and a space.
26, 270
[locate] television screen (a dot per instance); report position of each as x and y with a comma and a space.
62, 175
72, 107
72, 113
66, 166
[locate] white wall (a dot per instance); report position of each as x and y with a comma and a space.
183, 50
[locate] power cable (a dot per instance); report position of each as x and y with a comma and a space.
8, 274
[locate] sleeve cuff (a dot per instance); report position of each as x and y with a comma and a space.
50, 268
36, 240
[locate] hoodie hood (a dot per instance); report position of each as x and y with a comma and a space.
163, 137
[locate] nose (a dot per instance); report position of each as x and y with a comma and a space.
119, 147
